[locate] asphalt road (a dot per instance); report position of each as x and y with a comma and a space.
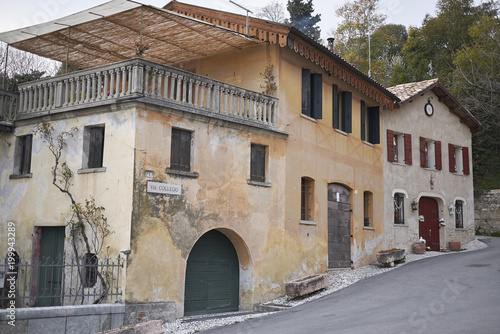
456, 293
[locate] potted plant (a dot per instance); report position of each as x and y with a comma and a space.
419, 247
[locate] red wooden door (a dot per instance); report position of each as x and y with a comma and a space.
429, 228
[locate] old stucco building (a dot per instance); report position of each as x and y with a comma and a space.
218, 193
428, 186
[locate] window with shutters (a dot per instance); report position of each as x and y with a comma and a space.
258, 163
399, 208
312, 94
307, 199
430, 154
370, 124
458, 159
180, 153
22, 156
368, 208
342, 110
399, 147
93, 146
459, 214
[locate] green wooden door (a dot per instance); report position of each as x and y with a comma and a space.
212, 276
51, 266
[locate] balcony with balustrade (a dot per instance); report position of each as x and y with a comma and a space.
142, 81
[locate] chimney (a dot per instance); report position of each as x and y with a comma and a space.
330, 43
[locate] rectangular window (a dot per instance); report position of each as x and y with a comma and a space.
399, 213
258, 163
368, 208
22, 160
459, 214
458, 159
430, 154
342, 110
312, 94
93, 146
307, 191
399, 147
180, 154
364, 121
374, 125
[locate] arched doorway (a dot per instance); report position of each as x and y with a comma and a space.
429, 228
212, 276
339, 226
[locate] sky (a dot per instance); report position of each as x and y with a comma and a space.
20, 13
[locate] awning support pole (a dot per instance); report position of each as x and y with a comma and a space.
67, 50
5, 66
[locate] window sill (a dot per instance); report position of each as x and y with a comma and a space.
91, 170
368, 228
308, 118
176, 172
308, 222
367, 143
341, 132
431, 169
21, 176
461, 229
459, 174
402, 164
259, 184
400, 225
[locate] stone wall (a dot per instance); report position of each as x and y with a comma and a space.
487, 211
84, 319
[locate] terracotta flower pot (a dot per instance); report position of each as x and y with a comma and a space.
455, 245
419, 247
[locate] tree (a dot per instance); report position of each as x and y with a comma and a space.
274, 11
353, 36
302, 18
88, 218
477, 84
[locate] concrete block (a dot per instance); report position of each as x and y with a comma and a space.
21, 327
307, 285
44, 326
88, 324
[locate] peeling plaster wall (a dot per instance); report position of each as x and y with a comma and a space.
414, 180
35, 202
220, 198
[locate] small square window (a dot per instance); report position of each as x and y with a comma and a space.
180, 154
22, 159
93, 146
258, 163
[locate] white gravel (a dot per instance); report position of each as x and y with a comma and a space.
338, 279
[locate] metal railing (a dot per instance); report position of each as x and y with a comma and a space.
63, 281
141, 78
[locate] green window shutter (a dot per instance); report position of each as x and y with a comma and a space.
347, 112
258, 163
335, 106
317, 96
25, 166
363, 121
180, 154
306, 92
374, 125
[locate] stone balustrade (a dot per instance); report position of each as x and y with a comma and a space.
8, 105
153, 82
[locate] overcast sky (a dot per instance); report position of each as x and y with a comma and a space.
20, 13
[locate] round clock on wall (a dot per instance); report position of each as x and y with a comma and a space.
429, 109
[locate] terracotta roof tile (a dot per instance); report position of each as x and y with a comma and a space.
409, 90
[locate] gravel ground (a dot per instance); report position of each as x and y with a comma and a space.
338, 279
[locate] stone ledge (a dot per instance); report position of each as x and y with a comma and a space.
149, 327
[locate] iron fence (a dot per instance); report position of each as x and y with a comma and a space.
60, 281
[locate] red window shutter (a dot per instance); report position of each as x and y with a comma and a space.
437, 150
408, 159
390, 145
451, 155
465, 158
423, 160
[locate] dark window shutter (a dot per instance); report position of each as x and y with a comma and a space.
363, 121
347, 112
25, 165
317, 96
335, 106
451, 155
408, 157
437, 150
465, 158
96, 147
258, 163
374, 125
390, 145
423, 160
180, 154
306, 92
